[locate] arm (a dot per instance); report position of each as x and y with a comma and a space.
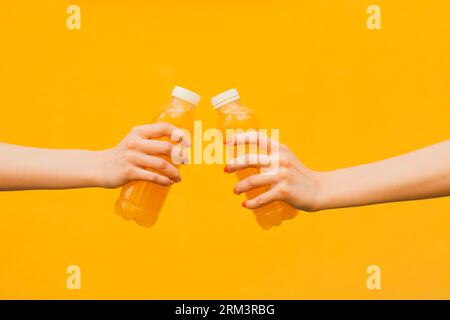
33, 168
421, 174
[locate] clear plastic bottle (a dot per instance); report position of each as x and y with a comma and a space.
233, 115
142, 201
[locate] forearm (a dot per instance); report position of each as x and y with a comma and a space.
421, 174
24, 168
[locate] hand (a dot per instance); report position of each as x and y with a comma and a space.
288, 178
139, 151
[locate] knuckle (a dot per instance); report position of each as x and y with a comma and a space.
151, 177
278, 178
283, 173
132, 144
251, 182
128, 171
284, 161
284, 191
258, 201
161, 164
128, 156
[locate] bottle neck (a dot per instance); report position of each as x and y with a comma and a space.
182, 104
229, 107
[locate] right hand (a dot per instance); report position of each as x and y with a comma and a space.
142, 149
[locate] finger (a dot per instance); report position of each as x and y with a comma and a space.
155, 130
249, 160
152, 147
255, 181
262, 199
182, 136
179, 155
253, 137
156, 163
145, 175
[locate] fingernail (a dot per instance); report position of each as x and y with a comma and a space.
244, 204
225, 169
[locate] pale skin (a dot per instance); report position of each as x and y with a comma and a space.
421, 174
25, 168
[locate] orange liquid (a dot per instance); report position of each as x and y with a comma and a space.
142, 201
237, 117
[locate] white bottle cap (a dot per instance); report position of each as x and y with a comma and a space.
224, 98
186, 95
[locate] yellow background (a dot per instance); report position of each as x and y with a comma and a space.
341, 95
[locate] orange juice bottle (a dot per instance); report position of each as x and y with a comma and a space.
142, 201
233, 115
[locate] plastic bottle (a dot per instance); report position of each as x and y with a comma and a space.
142, 201
233, 115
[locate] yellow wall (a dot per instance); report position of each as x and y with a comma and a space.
341, 95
